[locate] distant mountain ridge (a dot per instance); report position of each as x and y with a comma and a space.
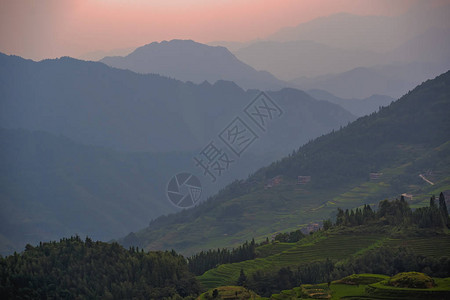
311, 65
291, 59
94, 165
54, 187
353, 56
393, 80
358, 107
92, 103
187, 60
370, 32
400, 142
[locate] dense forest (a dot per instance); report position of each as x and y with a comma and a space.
418, 118
77, 269
383, 260
396, 212
74, 268
203, 261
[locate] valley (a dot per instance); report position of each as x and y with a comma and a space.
207, 150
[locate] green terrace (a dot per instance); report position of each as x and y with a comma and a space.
320, 246
335, 246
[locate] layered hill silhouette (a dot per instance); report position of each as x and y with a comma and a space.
292, 59
358, 107
353, 73
95, 167
187, 60
354, 56
378, 156
92, 103
371, 33
392, 80
54, 187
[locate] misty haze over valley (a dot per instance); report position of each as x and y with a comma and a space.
299, 150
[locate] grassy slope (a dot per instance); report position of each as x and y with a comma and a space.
403, 140
287, 207
334, 245
230, 292
338, 290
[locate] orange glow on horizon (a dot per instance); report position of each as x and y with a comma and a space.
54, 28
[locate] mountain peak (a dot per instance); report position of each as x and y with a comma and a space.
178, 46
188, 60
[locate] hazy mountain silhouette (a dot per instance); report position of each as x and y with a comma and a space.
297, 59
288, 60
187, 60
371, 33
392, 80
95, 104
410, 135
346, 31
358, 107
99, 54
342, 42
54, 187
97, 191
430, 46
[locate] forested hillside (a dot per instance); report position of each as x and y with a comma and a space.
382, 155
109, 141
388, 239
359, 241
85, 269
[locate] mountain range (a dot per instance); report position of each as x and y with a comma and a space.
92, 147
379, 34
378, 156
190, 61
310, 65
355, 56
292, 59
391, 80
358, 107
92, 103
53, 186
313, 163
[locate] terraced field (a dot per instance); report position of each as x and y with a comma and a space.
427, 246
272, 249
366, 291
336, 246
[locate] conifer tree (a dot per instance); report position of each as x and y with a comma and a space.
432, 201
242, 280
443, 210
340, 218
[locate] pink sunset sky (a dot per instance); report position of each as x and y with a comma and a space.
54, 28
